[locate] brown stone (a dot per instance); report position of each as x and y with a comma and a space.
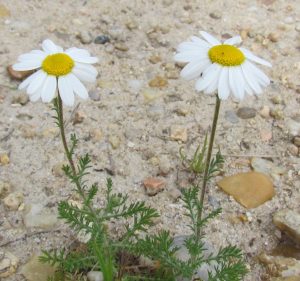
178, 133
18, 75
249, 189
4, 12
158, 82
154, 185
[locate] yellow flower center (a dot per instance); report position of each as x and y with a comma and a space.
226, 55
58, 64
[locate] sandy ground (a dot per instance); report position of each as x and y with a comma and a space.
133, 131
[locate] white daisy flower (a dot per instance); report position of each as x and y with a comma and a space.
57, 69
221, 66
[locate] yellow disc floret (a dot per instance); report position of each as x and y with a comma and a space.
58, 64
226, 55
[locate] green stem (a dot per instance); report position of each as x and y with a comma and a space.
208, 158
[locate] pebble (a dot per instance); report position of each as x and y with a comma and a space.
85, 37
246, 112
94, 95
18, 75
297, 27
78, 117
38, 216
5, 188
135, 85
213, 202
293, 127
151, 95
131, 24
178, 133
121, 47
95, 276
154, 185
293, 149
101, 39
266, 135
296, 141
155, 59
13, 200
273, 37
231, 117
277, 114
215, 15
57, 169
277, 100
265, 112
8, 263
96, 134
279, 266
250, 189
183, 255
158, 82
114, 141
4, 159
4, 12
34, 270
22, 99
267, 167
174, 194
288, 221
164, 165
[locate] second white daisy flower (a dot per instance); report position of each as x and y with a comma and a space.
221, 66
57, 69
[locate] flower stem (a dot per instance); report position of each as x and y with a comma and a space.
208, 158
63, 135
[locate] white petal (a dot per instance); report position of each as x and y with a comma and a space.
250, 56
210, 39
262, 78
78, 87
232, 84
190, 56
83, 75
65, 90
27, 81
77, 51
200, 42
239, 81
191, 70
87, 68
35, 97
49, 88
38, 52
250, 78
223, 85
214, 83
233, 41
190, 46
26, 65
50, 48
32, 57
37, 82
207, 78
83, 59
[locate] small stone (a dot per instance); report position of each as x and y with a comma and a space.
131, 25
49, 132
158, 82
8, 264
296, 141
155, 59
273, 37
265, 166
249, 189
266, 135
22, 99
231, 117
38, 216
293, 127
13, 200
293, 149
85, 37
4, 12
215, 15
246, 112
94, 95
18, 75
57, 169
5, 188
277, 100
154, 185
4, 159
297, 27
95, 276
174, 194
151, 95
135, 85
114, 141
96, 134
78, 117
288, 221
277, 114
121, 47
213, 202
178, 133
101, 39
34, 270
265, 112
279, 266
164, 165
